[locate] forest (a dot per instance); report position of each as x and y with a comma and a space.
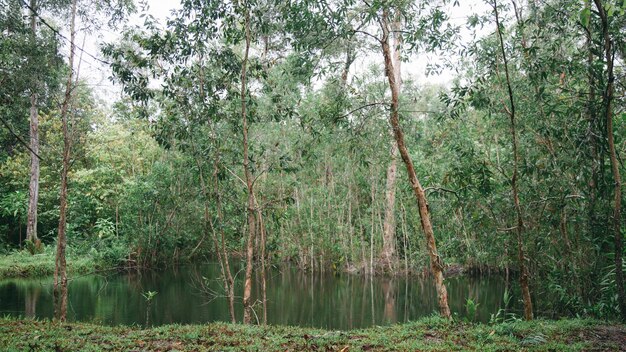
451, 162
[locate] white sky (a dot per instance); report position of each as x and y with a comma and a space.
97, 74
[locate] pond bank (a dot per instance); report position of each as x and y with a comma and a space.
431, 333
22, 264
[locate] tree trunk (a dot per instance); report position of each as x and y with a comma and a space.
593, 129
222, 255
436, 265
388, 254
247, 289
608, 101
220, 217
31, 227
263, 266
350, 57
519, 229
60, 271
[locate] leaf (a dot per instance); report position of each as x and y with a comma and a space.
534, 340
611, 10
585, 14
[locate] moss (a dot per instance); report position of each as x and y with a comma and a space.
429, 334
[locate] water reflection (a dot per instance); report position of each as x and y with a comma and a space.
31, 296
294, 298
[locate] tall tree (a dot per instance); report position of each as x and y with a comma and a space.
33, 194
608, 98
60, 271
436, 264
388, 253
519, 228
252, 222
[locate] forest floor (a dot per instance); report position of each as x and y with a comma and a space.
24, 264
428, 334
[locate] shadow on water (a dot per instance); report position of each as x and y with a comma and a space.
195, 295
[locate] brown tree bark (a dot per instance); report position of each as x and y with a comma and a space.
436, 264
60, 270
350, 57
247, 288
33, 189
617, 209
519, 229
388, 253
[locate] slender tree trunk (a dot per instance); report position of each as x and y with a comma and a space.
247, 289
350, 57
60, 271
222, 255
220, 217
593, 128
519, 229
436, 264
608, 101
31, 227
229, 282
372, 223
263, 266
388, 254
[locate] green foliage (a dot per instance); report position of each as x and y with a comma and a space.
158, 174
471, 308
21, 263
423, 335
33, 247
149, 295
503, 315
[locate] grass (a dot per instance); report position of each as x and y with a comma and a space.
428, 334
23, 264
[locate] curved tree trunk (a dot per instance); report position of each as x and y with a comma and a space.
436, 265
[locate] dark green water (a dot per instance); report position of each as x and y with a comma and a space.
294, 298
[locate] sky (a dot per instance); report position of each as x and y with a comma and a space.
98, 74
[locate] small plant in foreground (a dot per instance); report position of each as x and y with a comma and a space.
471, 308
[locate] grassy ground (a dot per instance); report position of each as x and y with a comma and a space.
23, 264
429, 334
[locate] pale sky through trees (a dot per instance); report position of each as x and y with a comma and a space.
98, 73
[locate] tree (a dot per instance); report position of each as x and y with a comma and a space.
388, 252
33, 194
60, 270
519, 228
436, 264
607, 99
252, 204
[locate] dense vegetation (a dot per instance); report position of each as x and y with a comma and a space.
273, 131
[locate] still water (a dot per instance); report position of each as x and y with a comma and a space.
194, 295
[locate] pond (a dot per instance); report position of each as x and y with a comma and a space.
189, 294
